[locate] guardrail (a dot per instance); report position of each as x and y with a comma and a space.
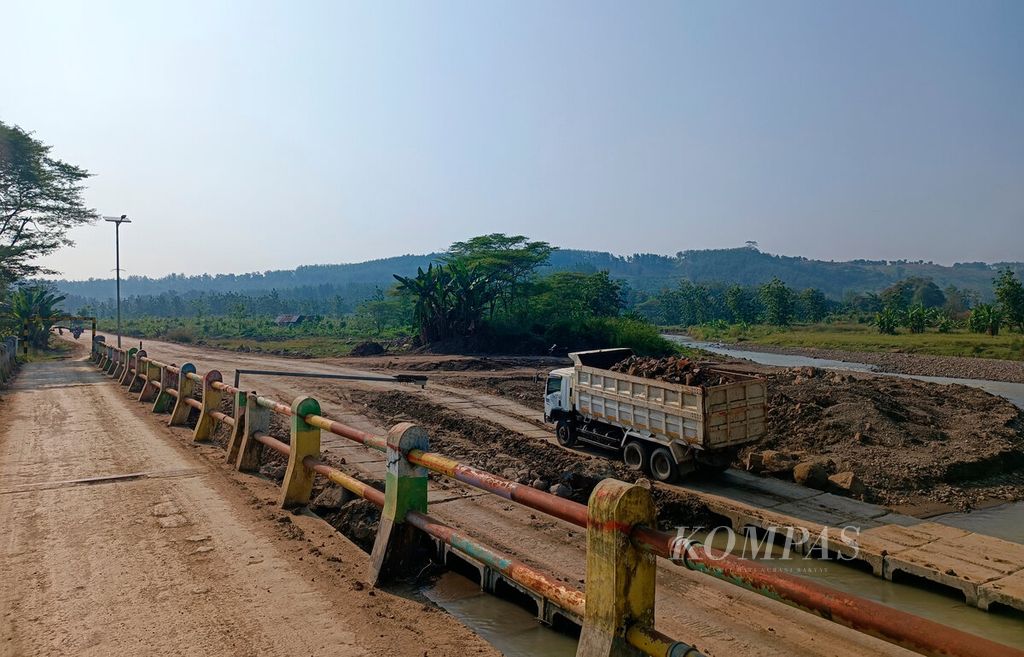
617, 609
8, 359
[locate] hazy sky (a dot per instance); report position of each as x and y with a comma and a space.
244, 136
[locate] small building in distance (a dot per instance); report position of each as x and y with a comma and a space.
289, 320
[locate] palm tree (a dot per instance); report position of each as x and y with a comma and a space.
30, 307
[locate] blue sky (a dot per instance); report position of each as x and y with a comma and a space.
245, 136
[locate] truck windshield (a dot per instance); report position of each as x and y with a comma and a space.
554, 384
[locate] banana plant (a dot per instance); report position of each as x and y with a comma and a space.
29, 307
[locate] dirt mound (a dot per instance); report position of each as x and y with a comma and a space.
672, 369
902, 438
368, 348
513, 456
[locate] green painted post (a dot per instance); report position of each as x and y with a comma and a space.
397, 547
211, 402
620, 576
185, 386
257, 420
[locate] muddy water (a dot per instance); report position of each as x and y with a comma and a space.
507, 626
1012, 391
1005, 521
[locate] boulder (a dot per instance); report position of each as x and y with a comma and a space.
561, 490
813, 474
847, 483
331, 499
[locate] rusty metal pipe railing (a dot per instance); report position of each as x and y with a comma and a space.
887, 623
222, 417
194, 403
883, 622
572, 600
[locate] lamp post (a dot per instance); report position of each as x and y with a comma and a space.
117, 221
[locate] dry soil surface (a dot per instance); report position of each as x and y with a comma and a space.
167, 554
718, 617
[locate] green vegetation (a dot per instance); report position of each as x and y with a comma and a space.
29, 307
852, 336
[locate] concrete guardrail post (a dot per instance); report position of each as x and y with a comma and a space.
138, 377
97, 353
620, 576
111, 360
257, 420
120, 364
238, 431
151, 387
305, 441
129, 367
397, 545
211, 402
103, 357
164, 401
185, 386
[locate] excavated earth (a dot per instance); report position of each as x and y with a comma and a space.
912, 444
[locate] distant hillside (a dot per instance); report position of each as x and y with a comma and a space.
643, 272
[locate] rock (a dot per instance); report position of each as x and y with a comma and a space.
561, 490
541, 484
271, 471
754, 462
510, 473
812, 473
847, 483
331, 499
368, 348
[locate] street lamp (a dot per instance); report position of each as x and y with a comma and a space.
117, 221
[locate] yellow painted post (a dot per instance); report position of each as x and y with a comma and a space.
257, 420
136, 382
396, 548
186, 386
305, 441
129, 367
211, 402
620, 576
238, 432
150, 387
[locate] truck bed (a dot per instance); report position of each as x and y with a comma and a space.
711, 417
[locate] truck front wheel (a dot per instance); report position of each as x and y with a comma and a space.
663, 466
634, 455
565, 433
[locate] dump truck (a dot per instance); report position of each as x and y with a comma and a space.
667, 430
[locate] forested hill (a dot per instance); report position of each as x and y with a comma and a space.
647, 272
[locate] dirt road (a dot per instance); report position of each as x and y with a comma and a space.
720, 618
169, 555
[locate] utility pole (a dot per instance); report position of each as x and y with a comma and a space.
117, 221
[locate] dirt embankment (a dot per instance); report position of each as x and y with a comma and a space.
911, 443
960, 367
908, 441
567, 473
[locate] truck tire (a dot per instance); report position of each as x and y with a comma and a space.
635, 455
565, 433
715, 462
662, 465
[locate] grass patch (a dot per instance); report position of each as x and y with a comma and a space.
862, 337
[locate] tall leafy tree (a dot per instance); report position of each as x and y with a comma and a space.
1010, 294
40, 201
777, 300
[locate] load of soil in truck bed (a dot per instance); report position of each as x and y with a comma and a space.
673, 369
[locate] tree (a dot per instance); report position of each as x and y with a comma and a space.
811, 305
1010, 294
30, 306
507, 261
778, 302
887, 319
40, 201
985, 318
741, 304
